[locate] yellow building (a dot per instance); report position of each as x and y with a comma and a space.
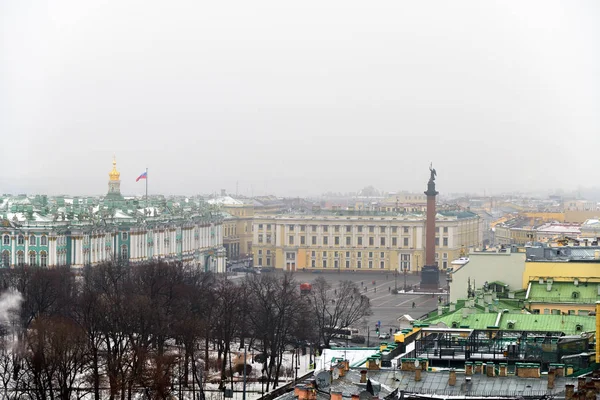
237, 226
358, 241
544, 216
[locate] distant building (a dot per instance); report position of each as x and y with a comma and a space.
505, 268
358, 240
562, 264
522, 230
237, 226
77, 232
591, 228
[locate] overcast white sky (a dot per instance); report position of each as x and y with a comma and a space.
298, 98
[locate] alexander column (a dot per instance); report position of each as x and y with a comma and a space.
430, 273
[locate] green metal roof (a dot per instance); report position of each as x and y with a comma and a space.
567, 324
564, 292
548, 323
473, 321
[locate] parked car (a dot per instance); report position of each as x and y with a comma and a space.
384, 336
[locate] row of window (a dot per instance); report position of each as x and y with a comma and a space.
348, 264
21, 240
348, 228
21, 258
43, 261
348, 241
348, 254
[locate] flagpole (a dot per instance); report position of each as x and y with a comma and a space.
146, 188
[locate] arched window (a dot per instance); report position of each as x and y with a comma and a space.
6, 258
32, 260
20, 239
124, 252
32, 240
43, 259
6, 240
20, 258
44, 240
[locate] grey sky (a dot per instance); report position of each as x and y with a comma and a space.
299, 98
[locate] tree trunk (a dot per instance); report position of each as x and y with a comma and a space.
96, 373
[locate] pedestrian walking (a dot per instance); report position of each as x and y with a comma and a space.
389, 288
375, 289
413, 305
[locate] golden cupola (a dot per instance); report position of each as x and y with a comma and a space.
114, 175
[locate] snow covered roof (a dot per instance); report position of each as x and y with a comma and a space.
225, 201
591, 222
350, 354
560, 228
121, 215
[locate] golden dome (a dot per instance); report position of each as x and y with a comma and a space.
114, 174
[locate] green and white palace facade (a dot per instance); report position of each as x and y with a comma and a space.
79, 232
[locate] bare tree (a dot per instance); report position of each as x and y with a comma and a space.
339, 308
56, 357
276, 307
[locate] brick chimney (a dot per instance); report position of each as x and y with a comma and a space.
468, 368
305, 393
551, 377
569, 392
336, 396
580, 382
355, 397
489, 369
503, 370
417, 375
478, 367
452, 377
363, 376
346, 365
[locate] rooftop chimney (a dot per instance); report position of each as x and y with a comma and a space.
452, 377
569, 391
363, 376
336, 396
551, 377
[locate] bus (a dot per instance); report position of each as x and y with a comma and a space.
342, 333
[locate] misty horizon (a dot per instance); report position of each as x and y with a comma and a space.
299, 99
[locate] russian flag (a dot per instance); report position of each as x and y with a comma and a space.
142, 176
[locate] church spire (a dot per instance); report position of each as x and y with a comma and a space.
114, 183
114, 175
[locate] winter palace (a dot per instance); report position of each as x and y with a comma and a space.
82, 231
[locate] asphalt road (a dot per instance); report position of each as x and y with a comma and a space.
387, 307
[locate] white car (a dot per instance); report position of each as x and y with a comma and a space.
384, 336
